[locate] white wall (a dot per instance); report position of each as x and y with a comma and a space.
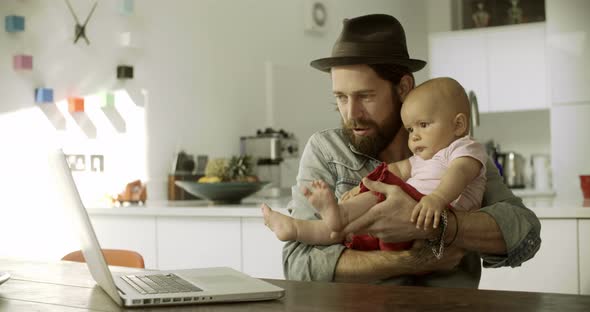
200, 84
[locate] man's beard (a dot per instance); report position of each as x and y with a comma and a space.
374, 144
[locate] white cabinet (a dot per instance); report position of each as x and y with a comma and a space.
505, 66
568, 47
517, 68
262, 251
128, 232
463, 57
553, 269
584, 238
194, 242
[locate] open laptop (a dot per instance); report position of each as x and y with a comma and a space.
153, 288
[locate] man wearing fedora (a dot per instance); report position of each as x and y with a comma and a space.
371, 74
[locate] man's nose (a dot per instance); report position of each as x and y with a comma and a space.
355, 108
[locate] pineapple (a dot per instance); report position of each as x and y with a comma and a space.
240, 168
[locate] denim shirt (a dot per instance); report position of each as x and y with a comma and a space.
329, 156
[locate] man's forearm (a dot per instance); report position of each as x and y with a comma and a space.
371, 266
478, 231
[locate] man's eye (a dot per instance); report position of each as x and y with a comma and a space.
366, 97
341, 98
423, 124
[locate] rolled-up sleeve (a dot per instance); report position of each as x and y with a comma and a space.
519, 225
301, 261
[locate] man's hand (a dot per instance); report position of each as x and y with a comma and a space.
388, 220
428, 211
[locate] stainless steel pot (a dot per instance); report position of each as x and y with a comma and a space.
513, 170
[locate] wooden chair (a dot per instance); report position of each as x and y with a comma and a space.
126, 258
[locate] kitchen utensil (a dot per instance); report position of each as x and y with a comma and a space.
514, 170
222, 192
541, 172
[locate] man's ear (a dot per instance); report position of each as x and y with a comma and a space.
406, 84
461, 125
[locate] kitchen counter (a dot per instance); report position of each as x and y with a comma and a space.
544, 208
250, 207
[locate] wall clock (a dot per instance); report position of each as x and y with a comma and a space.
80, 30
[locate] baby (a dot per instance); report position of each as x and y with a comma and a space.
447, 166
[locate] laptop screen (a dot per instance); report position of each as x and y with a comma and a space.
75, 209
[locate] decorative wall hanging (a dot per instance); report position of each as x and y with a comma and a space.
107, 99
43, 95
22, 62
14, 23
80, 31
75, 104
124, 72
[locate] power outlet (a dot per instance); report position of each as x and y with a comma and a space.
77, 162
97, 163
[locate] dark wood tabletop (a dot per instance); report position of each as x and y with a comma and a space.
67, 286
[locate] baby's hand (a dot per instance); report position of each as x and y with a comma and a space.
350, 194
428, 208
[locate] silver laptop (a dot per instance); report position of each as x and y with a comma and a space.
153, 288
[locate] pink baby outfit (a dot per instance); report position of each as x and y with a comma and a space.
426, 174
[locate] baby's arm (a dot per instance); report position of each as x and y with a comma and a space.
461, 172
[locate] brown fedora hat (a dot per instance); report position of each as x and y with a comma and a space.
370, 39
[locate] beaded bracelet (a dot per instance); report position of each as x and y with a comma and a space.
438, 245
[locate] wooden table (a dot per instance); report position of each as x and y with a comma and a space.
67, 286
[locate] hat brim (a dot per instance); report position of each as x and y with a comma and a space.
325, 64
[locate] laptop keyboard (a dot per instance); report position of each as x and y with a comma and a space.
159, 284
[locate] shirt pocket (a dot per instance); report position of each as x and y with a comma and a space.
348, 175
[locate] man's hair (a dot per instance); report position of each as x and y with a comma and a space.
391, 72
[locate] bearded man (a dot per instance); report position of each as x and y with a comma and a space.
371, 75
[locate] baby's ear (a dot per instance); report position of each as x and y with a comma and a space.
461, 125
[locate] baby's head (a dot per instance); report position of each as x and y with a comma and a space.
435, 113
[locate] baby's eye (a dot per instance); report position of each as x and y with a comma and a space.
423, 124
410, 130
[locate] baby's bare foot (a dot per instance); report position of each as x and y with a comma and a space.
323, 199
282, 225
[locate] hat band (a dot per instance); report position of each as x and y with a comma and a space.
366, 49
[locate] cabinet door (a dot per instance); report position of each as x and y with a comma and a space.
463, 57
553, 269
584, 237
568, 46
128, 232
197, 242
517, 70
262, 251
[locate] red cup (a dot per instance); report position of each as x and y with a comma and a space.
585, 184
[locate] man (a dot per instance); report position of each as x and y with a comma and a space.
371, 75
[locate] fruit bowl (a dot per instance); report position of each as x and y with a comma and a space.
222, 192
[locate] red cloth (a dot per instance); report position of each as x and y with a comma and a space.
366, 242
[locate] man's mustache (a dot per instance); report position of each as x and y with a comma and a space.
359, 123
